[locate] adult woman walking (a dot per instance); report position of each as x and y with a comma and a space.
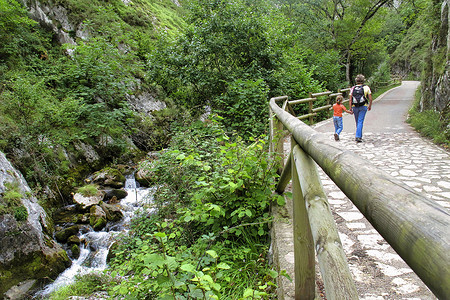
361, 102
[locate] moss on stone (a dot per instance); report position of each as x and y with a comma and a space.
35, 265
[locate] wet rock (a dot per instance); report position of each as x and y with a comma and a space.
97, 218
63, 235
113, 213
109, 177
117, 193
86, 202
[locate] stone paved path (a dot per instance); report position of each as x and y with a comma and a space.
379, 273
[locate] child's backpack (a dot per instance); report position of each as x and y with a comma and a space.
358, 96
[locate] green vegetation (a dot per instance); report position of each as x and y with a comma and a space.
88, 190
430, 124
209, 237
84, 286
10, 202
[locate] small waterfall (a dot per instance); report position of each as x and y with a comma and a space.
95, 244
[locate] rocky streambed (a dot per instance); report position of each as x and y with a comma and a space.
87, 229
37, 248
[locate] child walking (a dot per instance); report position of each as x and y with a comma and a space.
338, 107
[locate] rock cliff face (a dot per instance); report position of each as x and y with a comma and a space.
28, 254
435, 86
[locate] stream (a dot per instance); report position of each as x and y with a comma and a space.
94, 250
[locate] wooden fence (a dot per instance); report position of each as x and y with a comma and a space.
314, 97
416, 227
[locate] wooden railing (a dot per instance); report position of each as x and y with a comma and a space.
417, 228
314, 97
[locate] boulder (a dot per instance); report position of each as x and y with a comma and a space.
113, 213
109, 177
27, 251
97, 218
144, 176
85, 202
63, 235
117, 193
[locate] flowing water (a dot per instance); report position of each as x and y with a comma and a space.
94, 250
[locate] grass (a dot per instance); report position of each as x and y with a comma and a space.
430, 124
84, 286
88, 190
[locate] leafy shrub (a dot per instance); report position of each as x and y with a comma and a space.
209, 237
244, 107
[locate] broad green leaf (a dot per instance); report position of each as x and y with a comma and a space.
223, 266
212, 253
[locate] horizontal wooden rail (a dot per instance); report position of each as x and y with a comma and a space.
322, 108
417, 228
306, 100
307, 116
314, 95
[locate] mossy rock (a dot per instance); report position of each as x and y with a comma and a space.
97, 218
100, 224
41, 265
75, 251
63, 235
73, 239
110, 177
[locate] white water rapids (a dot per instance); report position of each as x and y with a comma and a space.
94, 250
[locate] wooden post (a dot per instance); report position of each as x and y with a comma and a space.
311, 119
333, 264
304, 259
285, 176
276, 136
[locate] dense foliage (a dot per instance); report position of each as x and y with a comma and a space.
208, 238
